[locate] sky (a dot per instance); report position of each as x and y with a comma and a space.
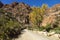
37, 3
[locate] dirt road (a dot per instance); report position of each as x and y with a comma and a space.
29, 35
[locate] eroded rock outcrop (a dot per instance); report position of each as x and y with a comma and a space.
52, 15
1, 4
19, 10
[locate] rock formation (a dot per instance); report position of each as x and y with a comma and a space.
1, 4
51, 15
20, 11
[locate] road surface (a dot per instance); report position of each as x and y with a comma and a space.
29, 35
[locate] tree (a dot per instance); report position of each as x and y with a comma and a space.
43, 8
35, 16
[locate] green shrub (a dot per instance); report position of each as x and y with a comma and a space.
41, 28
57, 30
9, 27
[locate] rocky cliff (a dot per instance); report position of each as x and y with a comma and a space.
51, 16
19, 10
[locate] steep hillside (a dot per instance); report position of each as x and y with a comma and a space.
15, 17
51, 16
20, 11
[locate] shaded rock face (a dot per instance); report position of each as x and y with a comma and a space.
1, 4
20, 11
13, 4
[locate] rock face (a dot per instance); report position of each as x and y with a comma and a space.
1, 4
52, 15
54, 8
20, 11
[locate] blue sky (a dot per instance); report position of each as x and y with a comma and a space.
34, 2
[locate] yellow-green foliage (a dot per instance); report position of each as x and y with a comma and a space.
36, 15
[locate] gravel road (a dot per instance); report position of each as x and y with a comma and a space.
29, 35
